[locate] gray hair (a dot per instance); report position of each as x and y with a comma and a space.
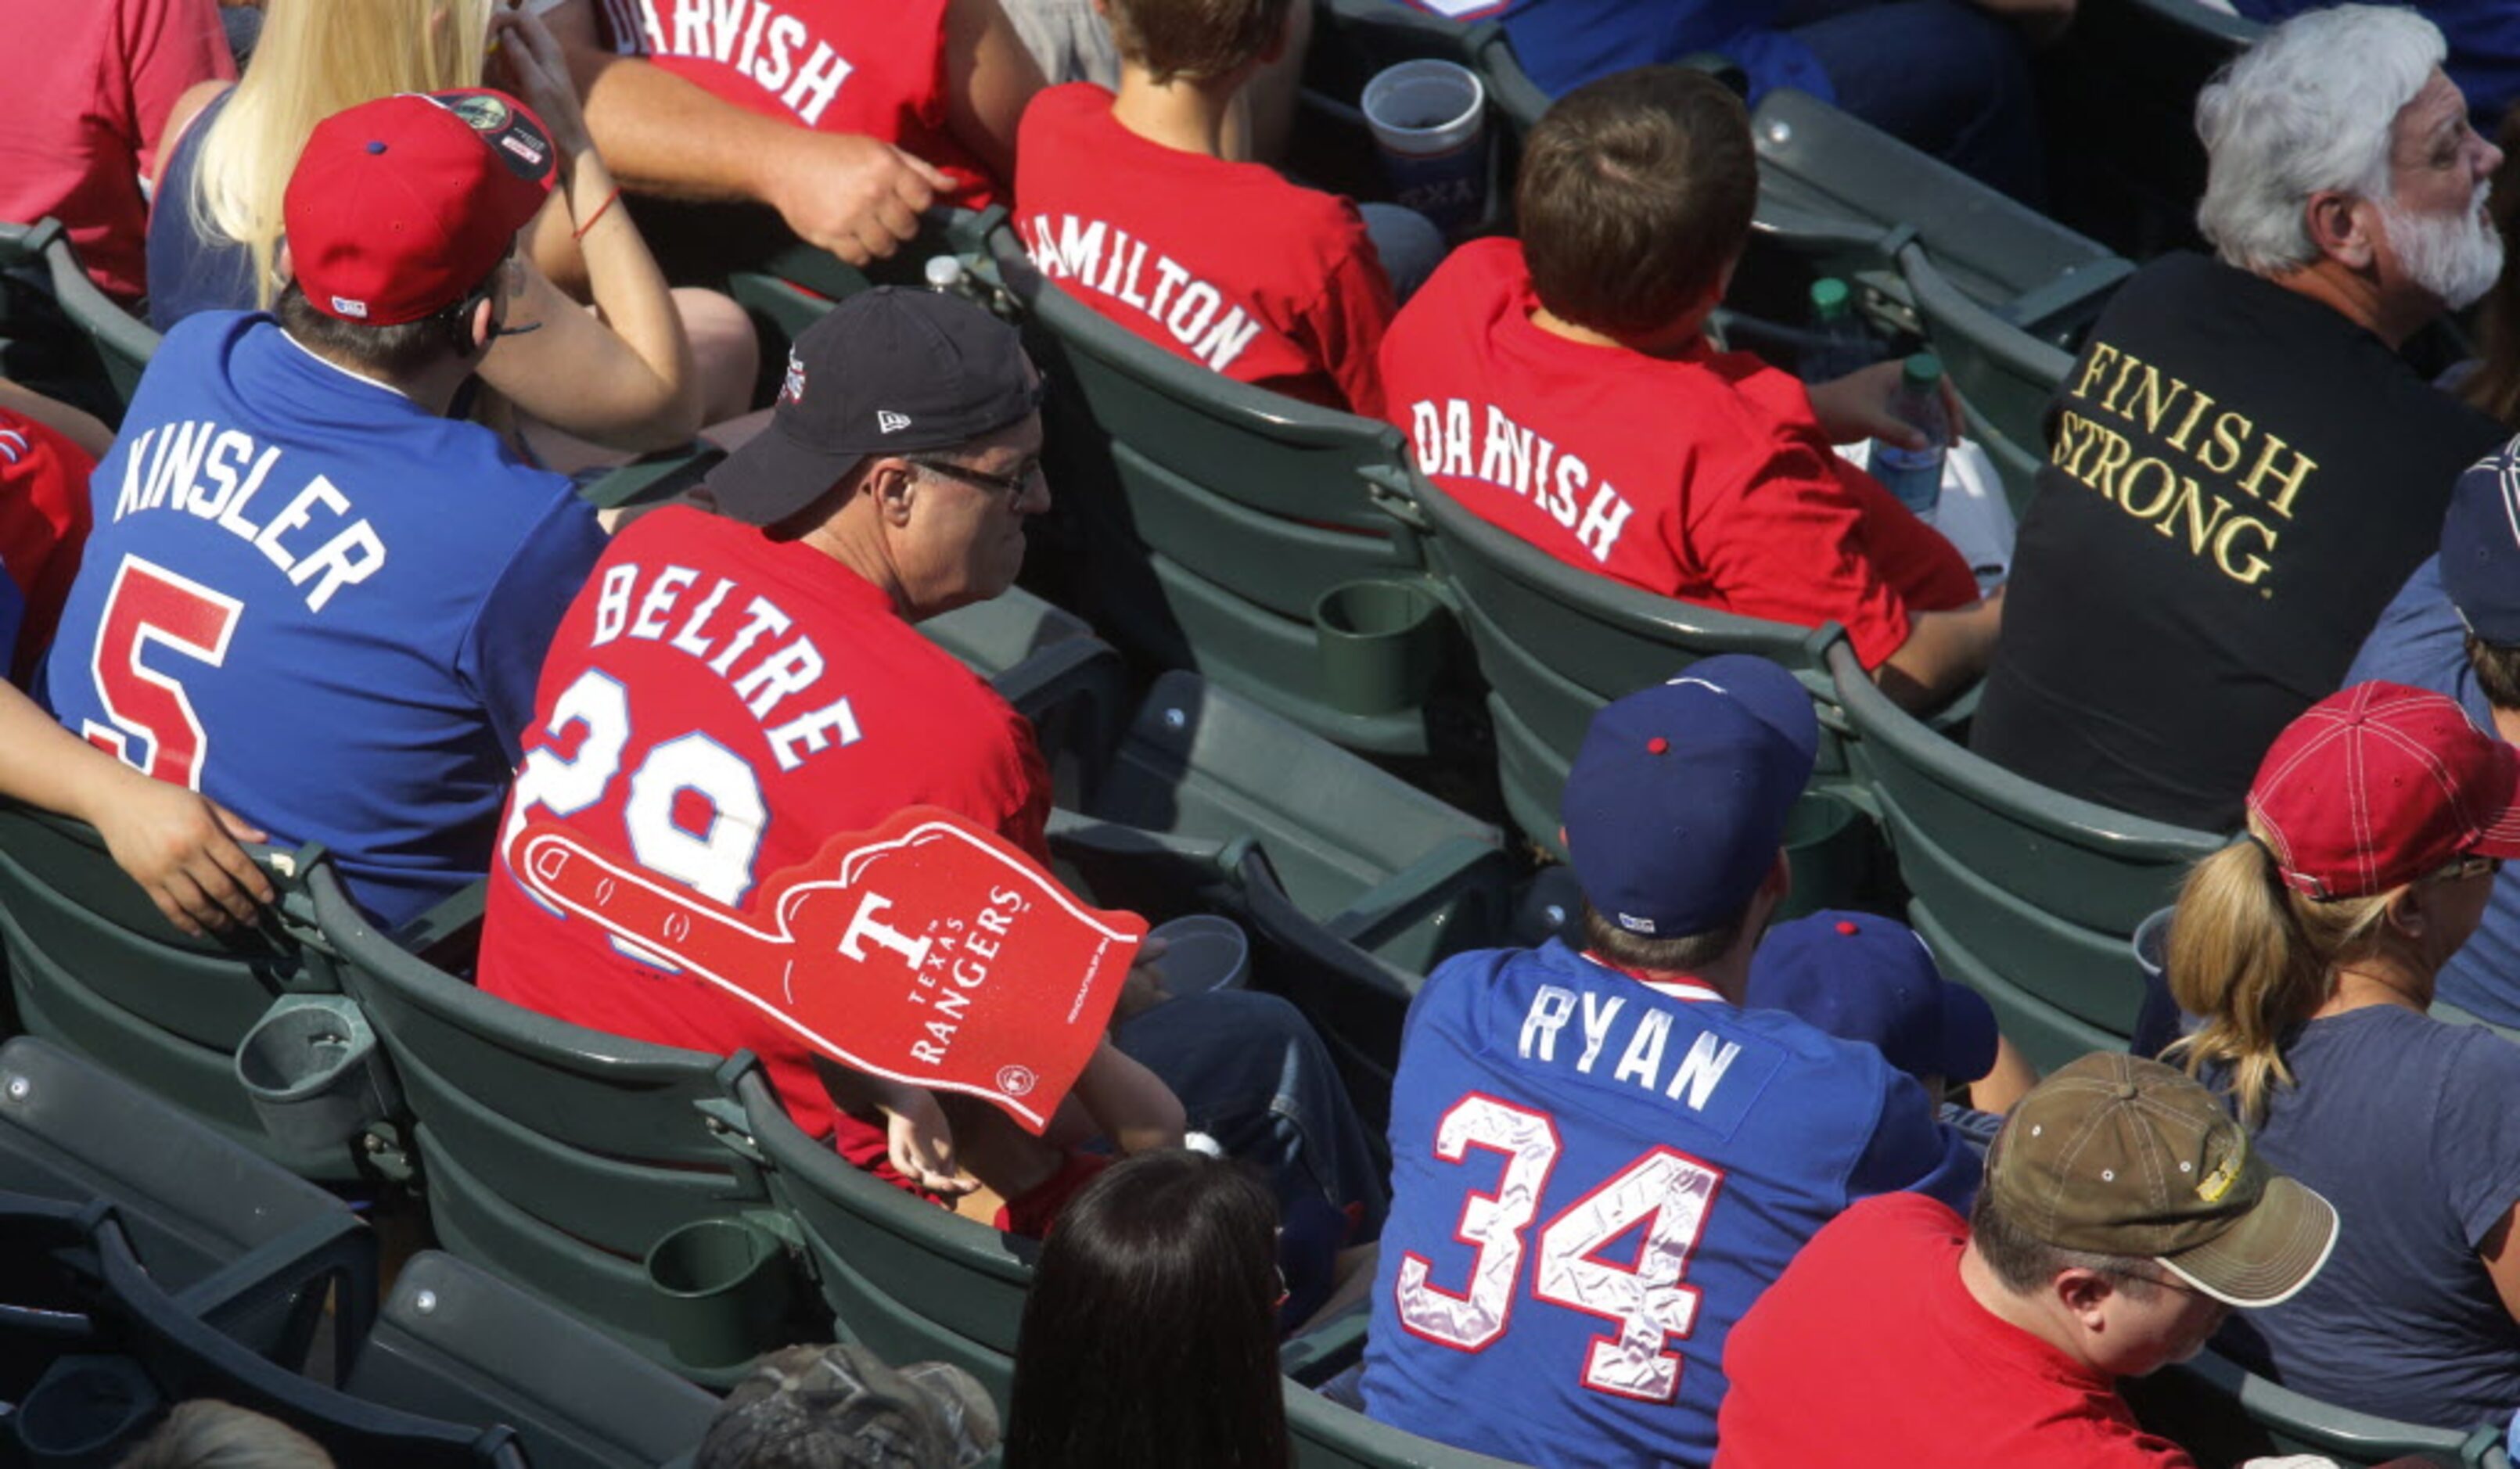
207, 1434
2309, 107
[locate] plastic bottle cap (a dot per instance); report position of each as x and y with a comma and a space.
1829, 299
944, 272
1923, 369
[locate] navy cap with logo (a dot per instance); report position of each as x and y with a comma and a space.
888, 371
2479, 547
1863, 977
1677, 802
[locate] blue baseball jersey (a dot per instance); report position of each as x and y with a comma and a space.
1592, 1180
316, 602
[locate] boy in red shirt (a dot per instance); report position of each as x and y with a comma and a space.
1131, 205
1563, 387
2123, 1216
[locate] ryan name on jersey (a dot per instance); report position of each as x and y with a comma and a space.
740, 637
220, 475
1575, 1030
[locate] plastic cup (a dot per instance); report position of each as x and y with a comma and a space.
1429, 122
1206, 952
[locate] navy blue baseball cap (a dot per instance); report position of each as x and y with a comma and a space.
1677, 803
1862, 977
2480, 547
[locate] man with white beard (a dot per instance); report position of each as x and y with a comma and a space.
2240, 467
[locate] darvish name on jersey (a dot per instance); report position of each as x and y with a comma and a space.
779, 51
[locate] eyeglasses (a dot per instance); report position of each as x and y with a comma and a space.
1014, 484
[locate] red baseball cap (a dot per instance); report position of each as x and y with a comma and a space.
2380, 784
400, 206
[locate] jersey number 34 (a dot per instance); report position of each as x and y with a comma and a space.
1666, 1191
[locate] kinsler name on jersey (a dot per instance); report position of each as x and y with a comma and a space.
761, 41
1194, 312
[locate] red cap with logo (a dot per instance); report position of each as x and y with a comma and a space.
2380, 784
400, 206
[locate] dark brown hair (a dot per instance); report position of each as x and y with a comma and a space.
1635, 196
1680, 953
1197, 40
2497, 672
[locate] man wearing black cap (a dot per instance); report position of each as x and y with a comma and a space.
732, 689
2455, 629
1602, 1156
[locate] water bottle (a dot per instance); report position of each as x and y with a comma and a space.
1842, 345
1916, 475
945, 275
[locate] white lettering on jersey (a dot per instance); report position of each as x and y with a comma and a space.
786, 680
1453, 443
1194, 311
214, 474
755, 40
1640, 1053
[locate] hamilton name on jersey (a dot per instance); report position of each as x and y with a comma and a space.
741, 637
1452, 439
306, 527
1109, 262
776, 50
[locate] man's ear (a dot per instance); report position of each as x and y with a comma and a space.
2081, 1293
895, 488
2342, 227
483, 322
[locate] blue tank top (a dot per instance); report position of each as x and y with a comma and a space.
189, 271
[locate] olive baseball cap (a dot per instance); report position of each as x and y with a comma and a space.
2119, 1155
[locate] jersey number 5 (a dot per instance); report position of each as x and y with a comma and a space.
148, 604
1665, 1191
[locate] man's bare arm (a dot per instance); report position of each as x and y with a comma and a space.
1945, 652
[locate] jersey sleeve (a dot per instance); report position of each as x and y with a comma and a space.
1913, 1150
1348, 322
2476, 1152
501, 658
44, 520
167, 46
1790, 547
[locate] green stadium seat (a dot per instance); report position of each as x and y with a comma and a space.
199, 1208
1844, 195
116, 346
124, 1326
2223, 1414
2029, 897
2006, 375
909, 1279
457, 1344
1203, 519
1048, 663
95, 968
555, 1157
1555, 643
1329, 1436
992, 637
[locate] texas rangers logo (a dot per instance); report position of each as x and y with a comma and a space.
930, 950
13, 446
792, 389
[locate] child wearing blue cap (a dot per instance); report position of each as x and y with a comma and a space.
1602, 1155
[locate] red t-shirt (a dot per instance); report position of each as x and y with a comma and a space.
1226, 264
870, 67
1702, 478
1869, 1347
716, 706
85, 105
43, 527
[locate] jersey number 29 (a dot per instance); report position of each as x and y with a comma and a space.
1667, 1191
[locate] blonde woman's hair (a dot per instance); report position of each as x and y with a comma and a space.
207, 1434
2254, 958
317, 57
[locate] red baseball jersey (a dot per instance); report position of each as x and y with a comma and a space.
716, 706
1704, 478
870, 67
1226, 264
43, 526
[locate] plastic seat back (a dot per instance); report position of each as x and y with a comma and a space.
905, 1276
1203, 519
2027, 896
95, 968
114, 346
552, 1156
2223, 1414
1329, 1436
2006, 375
457, 1344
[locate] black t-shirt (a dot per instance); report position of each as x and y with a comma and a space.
2238, 479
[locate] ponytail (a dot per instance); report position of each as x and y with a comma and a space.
2253, 960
